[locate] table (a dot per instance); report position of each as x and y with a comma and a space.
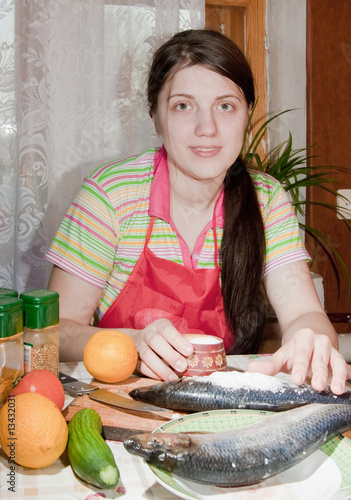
58, 481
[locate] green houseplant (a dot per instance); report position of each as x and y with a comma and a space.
290, 167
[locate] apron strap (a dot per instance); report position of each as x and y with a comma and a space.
149, 231
215, 234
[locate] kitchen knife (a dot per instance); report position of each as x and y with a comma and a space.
77, 388
74, 386
104, 396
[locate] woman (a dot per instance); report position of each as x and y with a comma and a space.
182, 238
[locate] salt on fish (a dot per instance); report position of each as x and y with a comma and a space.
237, 380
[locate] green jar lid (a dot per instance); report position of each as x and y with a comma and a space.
8, 292
11, 316
40, 309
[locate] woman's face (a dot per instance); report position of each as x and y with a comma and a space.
201, 118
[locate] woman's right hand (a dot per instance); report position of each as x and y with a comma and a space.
161, 349
160, 346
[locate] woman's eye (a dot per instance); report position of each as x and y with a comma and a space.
182, 106
226, 106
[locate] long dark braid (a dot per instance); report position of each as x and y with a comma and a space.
242, 253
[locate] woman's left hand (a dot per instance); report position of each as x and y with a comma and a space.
309, 341
308, 354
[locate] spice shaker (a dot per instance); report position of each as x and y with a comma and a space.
41, 335
11, 344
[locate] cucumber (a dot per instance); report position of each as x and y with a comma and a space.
90, 457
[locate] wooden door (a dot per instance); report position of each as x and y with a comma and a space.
328, 127
243, 21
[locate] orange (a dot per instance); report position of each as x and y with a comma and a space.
33, 431
110, 356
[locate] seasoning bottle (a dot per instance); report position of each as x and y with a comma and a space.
11, 344
41, 336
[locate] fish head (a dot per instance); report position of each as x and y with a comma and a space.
154, 394
159, 448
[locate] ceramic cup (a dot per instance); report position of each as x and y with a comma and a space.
208, 356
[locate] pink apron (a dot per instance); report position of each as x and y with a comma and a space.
158, 288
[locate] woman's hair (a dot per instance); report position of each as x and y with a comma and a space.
243, 242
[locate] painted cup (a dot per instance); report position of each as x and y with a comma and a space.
208, 356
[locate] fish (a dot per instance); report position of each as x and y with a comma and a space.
244, 456
228, 390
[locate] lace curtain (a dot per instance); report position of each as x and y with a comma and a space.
72, 95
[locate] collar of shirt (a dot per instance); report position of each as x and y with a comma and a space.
160, 196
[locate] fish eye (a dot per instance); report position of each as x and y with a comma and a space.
156, 440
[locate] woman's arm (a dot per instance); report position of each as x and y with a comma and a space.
160, 345
78, 301
309, 341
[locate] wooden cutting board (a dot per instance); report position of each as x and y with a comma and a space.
118, 424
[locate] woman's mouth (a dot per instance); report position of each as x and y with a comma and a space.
206, 152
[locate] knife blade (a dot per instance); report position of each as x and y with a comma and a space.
74, 386
104, 396
77, 388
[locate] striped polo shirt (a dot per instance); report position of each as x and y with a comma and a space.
102, 235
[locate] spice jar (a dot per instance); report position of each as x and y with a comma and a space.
11, 344
41, 336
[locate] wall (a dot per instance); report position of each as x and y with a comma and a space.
286, 66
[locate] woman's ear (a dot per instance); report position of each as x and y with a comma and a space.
155, 121
249, 118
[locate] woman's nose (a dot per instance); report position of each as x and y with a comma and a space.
205, 124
